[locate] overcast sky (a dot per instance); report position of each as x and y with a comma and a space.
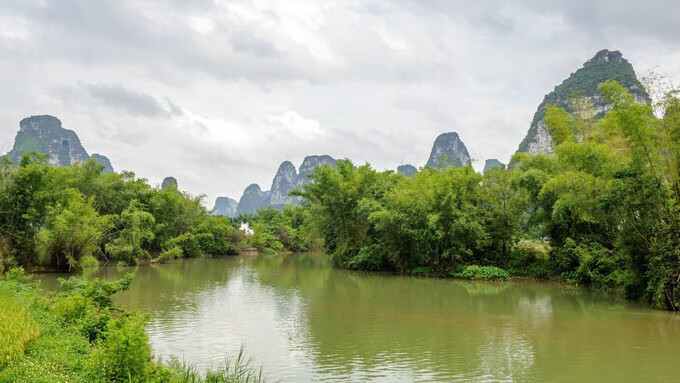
219, 93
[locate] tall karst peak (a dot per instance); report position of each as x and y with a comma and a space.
252, 200
491, 164
224, 206
169, 182
44, 134
108, 168
606, 55
253, 189
605, 65
448, 150
312, 162
284, 182
408, 170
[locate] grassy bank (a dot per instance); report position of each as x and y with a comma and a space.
78, 335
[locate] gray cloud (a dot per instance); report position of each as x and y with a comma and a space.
219, 93
126, 100
247, 43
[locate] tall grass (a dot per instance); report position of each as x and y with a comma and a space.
234, 370
17, 328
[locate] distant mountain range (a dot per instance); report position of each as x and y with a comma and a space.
45, 134
448, 150
286, 180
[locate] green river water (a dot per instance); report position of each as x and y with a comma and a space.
303, 320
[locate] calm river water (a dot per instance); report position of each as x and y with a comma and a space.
303, 320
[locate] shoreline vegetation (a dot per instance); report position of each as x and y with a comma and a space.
79, 335
602, 212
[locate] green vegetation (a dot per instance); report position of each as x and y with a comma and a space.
607, 203
483, 272
78, 335
65, 218
287, 230
16, 328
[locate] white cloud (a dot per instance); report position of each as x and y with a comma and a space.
293, 126
13, 29
202, 25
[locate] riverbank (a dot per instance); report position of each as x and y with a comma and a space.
78, 335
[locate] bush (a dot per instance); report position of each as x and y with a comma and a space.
94, 323
528, 260
69, 308
590, 265
216, 236
89, 261
124, 353
369, 258
420, 271
97, 291
187, 242
170, 254
263, 240
483, 272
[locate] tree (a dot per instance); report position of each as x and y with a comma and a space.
135, 231
72, 231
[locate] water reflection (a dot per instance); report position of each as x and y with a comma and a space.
303, 320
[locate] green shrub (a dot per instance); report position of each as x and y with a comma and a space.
187, 242
170, 254
69, 308
590, 265
89, 261
370, 258
216, 236
263, 240
528, 260
124, 352
94, 323
483, 272
98, 291
420, 271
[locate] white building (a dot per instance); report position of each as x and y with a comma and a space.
245, 227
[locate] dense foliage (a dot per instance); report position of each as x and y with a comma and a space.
607, 203
433, 223
56, 217
281, 230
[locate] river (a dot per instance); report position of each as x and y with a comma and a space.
303, 320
